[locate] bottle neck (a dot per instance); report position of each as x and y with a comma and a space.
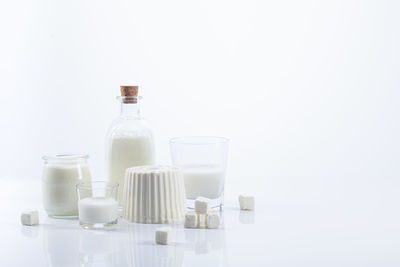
130, 110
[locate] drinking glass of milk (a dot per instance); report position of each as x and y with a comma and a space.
202, 160
97, 204
129, 139
60, 175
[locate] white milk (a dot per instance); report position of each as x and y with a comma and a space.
205, 181
98, 210
126, 152
58, 186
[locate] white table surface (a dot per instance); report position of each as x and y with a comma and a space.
297, 222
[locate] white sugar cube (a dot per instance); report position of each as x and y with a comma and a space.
201, 205
246, 202
191, 220
163, 235
30, 218
213, 220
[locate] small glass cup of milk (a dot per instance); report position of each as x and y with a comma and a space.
203, 161
97, 204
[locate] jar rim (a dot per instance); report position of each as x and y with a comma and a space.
66, 156
97, 184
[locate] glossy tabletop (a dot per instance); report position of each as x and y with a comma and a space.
297, 222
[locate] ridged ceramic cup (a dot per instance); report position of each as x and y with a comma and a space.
154, 194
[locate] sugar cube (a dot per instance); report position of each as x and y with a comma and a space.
213, 220
30, 218
246, 202
191, 220
163, 235
201, 205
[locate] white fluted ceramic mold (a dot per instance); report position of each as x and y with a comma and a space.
154, 194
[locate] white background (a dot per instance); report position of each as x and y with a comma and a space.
307, 92
302, 88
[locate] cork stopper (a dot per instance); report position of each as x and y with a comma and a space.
130, 92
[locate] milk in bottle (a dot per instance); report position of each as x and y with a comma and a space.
130, 139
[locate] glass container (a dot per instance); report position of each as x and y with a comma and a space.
129, 142
60, 175
203, 161
98, 204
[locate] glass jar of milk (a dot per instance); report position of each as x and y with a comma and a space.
60, 175
129, 140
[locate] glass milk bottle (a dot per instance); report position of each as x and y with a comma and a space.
129, 139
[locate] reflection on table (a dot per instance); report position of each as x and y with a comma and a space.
67, 244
